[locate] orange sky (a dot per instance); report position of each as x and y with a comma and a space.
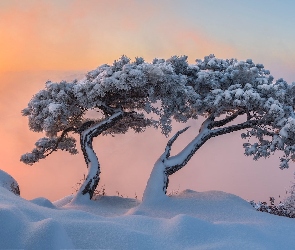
58, 40
46, 35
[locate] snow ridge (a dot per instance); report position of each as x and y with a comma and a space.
190, 220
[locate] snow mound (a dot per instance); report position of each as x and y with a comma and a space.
47, 234
64, 201
8, 182
190, 220
41, 201
107, 206
210, 205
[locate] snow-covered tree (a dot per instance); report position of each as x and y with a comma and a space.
231, 96
122, 93
219, 90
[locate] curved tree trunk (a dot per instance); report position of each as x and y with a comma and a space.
157, 184
166, 165
87, 189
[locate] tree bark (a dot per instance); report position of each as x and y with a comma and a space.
88, 187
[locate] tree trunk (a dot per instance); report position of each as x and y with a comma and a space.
87, 189
166, 165
157, 184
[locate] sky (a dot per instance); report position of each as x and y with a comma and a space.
63, 40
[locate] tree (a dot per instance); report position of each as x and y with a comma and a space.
224, 92
121, 93
231, 96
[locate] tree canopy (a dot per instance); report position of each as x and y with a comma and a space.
129, 86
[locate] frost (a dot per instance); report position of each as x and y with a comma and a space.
53, 107
239, 93
284, 132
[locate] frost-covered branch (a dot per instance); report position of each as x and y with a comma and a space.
207, 124
233, 128
107, 110
45, 146
166, 154
226, 120
60, 139
175, 163
178, 161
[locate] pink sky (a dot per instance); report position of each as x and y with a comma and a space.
58, 40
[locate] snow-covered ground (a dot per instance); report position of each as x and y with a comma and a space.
190, 220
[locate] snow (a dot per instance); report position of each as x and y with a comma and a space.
284, 132
8, 182
239, 93
189, 220
43, 202
53, 107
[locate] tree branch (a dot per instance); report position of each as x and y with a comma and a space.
244, 125
226, 120
182, 158
207, 123
266, 132
63, 134
107, 110
171, 141
248, 115
85, 126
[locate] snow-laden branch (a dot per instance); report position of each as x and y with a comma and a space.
174, 163
178, 161
233, 128
227, 119
45, 146
166, 154
60, 139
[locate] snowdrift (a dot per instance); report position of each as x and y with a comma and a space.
190, 220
